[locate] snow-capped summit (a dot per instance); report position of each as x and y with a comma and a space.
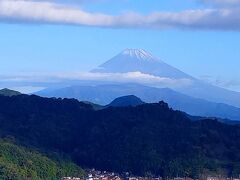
141, 54
139, 60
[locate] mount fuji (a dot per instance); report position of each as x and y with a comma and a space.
132, 60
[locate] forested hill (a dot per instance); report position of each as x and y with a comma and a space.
17, 162
146, 139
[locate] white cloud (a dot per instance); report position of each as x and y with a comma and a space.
20, 11
136, 77
46, 12
130, 77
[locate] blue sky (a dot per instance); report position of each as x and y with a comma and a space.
203, 49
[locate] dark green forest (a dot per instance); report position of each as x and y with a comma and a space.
149, 139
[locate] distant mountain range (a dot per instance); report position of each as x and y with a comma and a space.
148, 139
195, 98
104, 94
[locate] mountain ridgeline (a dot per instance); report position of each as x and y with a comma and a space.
105, 93
142, 139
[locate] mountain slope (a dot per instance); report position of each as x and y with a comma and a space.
149, 138
104, 94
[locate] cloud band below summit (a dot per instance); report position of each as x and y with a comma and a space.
130, 77
20, 11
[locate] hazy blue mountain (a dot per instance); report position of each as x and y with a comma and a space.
200, 89
8, 92
104, 94
132, 60
123, 101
